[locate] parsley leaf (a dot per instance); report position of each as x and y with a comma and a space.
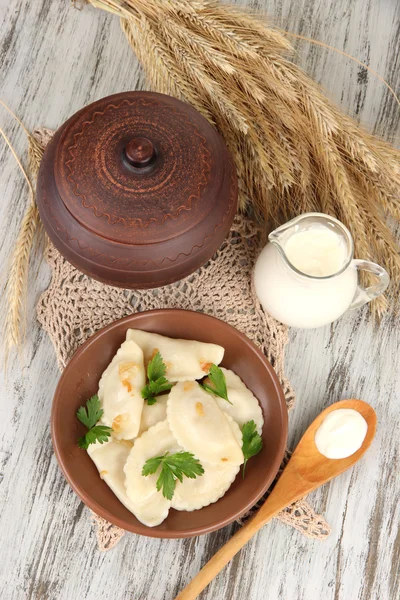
173, 467
166, 482
89, 417
158, 383
218, 388
151, 465
92, 413
252, 442
156, 367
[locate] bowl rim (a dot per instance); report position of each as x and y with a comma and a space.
142, 529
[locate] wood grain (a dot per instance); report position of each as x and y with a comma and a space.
54, 60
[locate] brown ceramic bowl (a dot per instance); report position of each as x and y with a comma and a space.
80, 380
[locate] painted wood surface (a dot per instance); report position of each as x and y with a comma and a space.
55, 59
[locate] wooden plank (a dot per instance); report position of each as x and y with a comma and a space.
54, 60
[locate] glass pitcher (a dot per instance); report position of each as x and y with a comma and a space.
301, 298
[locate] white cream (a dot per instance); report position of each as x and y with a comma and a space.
316, 251
341, 433
295, 298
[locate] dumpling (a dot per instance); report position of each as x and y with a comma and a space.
245, 406
110, 458
120, 391
153, 413
149, 506
193, 494
201, 427
184, 359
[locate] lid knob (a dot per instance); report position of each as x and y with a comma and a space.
140, 152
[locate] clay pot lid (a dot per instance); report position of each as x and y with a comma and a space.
139, 169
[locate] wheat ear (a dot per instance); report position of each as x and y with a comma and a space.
17, 282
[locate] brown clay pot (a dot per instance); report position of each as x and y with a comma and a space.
137, 190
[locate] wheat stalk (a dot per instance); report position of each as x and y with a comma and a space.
17, 282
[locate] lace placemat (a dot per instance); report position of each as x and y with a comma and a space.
75, 306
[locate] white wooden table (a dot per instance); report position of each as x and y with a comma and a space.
54, 60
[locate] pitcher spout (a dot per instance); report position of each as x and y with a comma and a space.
280, 234
275, 237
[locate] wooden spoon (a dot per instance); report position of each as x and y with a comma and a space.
306, 471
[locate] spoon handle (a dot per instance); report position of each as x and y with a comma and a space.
274, 504
219, 560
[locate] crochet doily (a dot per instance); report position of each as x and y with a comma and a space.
75, 306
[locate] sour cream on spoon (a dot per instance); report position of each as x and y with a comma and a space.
341, 433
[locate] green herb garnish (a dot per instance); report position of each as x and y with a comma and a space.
158, 383
218, 388
89, 416
252, 442
173, 467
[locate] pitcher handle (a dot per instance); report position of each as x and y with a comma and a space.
364, 295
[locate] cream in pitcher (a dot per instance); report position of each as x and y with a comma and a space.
307, 277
